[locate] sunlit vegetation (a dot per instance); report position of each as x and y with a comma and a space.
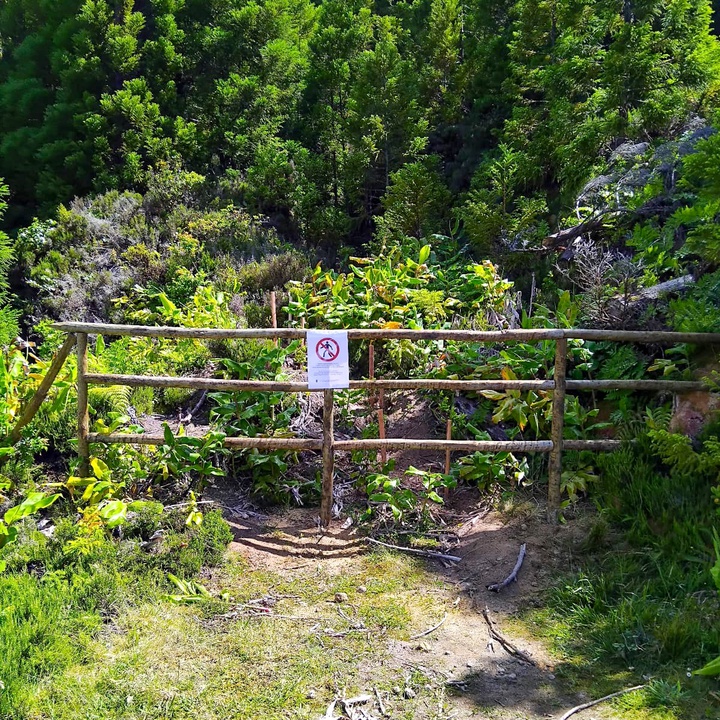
414, 164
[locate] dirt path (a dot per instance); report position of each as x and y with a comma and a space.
457, 670
468, 674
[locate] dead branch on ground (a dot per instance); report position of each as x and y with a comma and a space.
415, 551
512, 577
507, 645
590, 704
431, 630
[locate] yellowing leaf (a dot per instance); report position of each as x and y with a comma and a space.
493, 394
99, 468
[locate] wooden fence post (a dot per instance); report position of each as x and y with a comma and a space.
82, 400
273, 313
328, 457
380, 400
558, 420
43, 389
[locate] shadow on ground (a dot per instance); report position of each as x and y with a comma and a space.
477, 673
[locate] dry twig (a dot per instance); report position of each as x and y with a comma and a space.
432, 629
586, 705
507, 645
414, 551
512, 577
380, 702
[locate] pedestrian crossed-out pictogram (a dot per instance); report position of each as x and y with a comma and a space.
327, 349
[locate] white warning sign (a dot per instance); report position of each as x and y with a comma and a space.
328, 362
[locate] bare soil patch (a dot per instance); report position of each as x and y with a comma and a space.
474, 675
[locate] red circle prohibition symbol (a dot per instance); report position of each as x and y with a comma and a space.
327, 349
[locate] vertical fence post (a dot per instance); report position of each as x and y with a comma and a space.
558, 420
273, 313
328, 456
83, 415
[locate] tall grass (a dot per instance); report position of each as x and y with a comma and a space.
53, 604
641, 597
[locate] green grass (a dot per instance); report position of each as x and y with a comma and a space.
640, 603
91, 635
164, 660
54, 604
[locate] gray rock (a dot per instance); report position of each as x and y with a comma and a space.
628, 151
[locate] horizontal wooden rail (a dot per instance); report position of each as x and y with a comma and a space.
597, 445
643, 336
464, 445
280, 443
260, 443
198, 383
518, 335
649, 385
291, 333
558, 385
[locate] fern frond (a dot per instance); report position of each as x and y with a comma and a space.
115, 398
658, 418
624, 364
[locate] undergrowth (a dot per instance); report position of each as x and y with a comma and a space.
213, 659
640, 603
55, 600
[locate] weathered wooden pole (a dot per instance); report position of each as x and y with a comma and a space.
273, 317
556, 435
43, 389
273, 308
448, 436
82, 400
381, 424
328, 457
380, 400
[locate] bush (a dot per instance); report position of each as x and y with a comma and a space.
58, 593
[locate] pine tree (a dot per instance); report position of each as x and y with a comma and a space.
8, 316
584, 73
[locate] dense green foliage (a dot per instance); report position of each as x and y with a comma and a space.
324, 115
8, 316
415, 164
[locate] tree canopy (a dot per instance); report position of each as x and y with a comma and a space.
306, 112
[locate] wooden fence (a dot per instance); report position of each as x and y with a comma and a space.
78, 337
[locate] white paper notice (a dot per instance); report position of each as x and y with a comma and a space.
328, 362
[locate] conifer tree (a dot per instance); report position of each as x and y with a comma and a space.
8, 316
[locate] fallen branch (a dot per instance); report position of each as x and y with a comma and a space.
590, 704
380, 702
414, 551
274, 616
330, 712
431, 630
472, 521
507, 645
562, 238
198, 405
512, 577
343, 633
